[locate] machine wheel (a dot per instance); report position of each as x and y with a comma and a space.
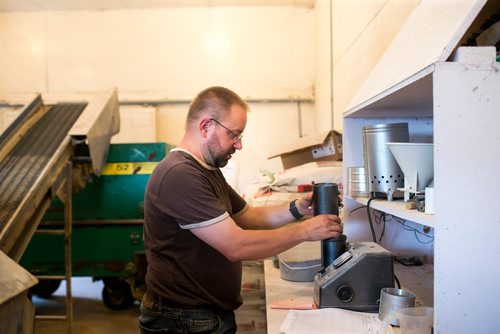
116, 294
46, 287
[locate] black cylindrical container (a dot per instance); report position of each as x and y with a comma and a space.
325, 200
331, 249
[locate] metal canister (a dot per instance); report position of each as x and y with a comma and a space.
356, 182
383, 173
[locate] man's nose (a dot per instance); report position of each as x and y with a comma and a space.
238, 144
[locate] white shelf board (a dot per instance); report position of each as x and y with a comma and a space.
411, 97
430, 34
398, 209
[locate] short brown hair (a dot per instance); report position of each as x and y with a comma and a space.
216, 100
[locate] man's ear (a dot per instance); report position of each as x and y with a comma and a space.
204, 125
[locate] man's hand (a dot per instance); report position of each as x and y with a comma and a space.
322, 227
305, 205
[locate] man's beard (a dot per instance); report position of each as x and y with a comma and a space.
216, 158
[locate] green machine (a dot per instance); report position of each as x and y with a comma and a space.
107, 228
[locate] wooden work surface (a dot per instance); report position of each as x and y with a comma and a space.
417, 279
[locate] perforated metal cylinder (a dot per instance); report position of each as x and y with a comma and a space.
383, 174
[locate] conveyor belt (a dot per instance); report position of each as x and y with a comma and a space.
18, 123
22, 166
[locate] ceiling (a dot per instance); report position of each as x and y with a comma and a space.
44, 5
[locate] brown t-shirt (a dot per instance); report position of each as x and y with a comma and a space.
184, 193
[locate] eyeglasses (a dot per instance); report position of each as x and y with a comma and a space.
235, 137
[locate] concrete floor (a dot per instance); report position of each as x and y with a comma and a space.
90, 315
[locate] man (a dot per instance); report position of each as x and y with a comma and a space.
197, 229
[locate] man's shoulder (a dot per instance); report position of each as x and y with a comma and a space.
176, 164
175, 158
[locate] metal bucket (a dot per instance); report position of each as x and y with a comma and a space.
356, 182
383, 173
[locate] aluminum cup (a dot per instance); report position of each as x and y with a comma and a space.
393, 299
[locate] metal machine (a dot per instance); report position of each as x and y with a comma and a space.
354, 280
353, 273
36, 166
383, 174
35, 152
107, 228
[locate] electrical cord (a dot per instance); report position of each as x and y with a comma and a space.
398, 283
358, 208
415, 231
381, 220
374, 237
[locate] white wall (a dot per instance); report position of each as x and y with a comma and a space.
323, 69
7, 116
361, 31
172, 52
165, 54
137, 125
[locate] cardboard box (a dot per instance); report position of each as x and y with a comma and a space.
325, 146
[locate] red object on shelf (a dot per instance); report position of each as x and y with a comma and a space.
302, 188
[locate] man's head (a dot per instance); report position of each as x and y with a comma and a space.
218, 117
216, 101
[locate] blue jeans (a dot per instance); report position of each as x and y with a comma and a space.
158, 318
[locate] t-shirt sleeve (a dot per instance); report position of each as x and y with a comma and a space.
238, 203
194, 200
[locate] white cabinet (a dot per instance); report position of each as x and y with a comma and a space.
457, 106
